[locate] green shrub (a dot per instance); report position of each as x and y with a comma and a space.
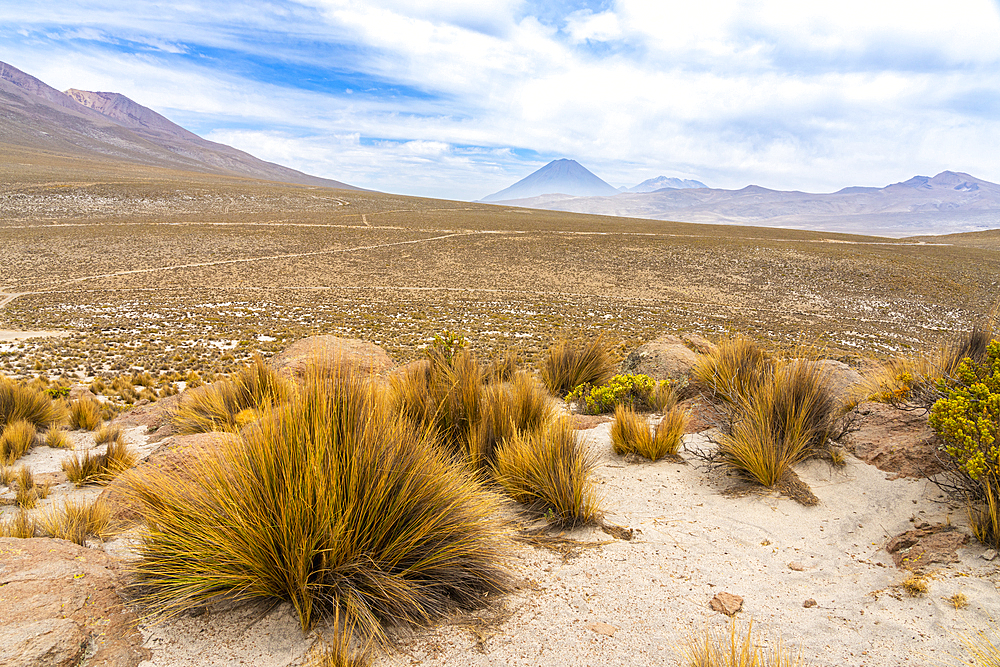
567, 365
17, 438
333, 502
968, 420
639, 392
550, 471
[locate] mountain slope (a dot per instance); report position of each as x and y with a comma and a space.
947, 203
661, 182
111, 126
563, 176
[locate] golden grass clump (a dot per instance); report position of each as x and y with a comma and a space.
100, 469
630, 433
506, 409
668, 433
550, 470
734, 369
27, 493
915, 585
566, 365
983, 648
17, 438
75, 521
84, 414
21, 526
215, 407
332, 502
57, 438
107, 433
30, 403
787, 415
738, 647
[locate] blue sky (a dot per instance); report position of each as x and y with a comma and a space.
455, 99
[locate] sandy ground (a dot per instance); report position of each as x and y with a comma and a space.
634, 602
11, 335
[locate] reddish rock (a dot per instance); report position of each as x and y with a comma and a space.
917, 549
332, 351
702, 415
726, 603
896, 441
59, 604
154, 416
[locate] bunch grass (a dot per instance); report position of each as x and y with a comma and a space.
15, 441
22, 525
57, 438
90, 468
734, 369
20, 402
76, 521
739, 647
567, 364
332, 502
85, 414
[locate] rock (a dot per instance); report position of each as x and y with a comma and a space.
174, 455
895, 441
666, 358
78, 391
989, 554
59, 642
809, 603
154, 416
726, 603
797, 566
332, 351
60, 605
605, 629
917, 549
702, 415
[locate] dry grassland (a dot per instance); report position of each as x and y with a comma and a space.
166, 270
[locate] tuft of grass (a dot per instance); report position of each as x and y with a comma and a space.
28, 403
21, 525
17, 438
215, 407
107, 433
339, 652
550, 470
75, 521
90, 468
630, 431
519, 406
983, 649
504, 367
84, 414
566, 365
27, 493
6, 475
668, 434
958, 600
332, 502
915, 585
734, 369
57, 438
737, 648
787, 415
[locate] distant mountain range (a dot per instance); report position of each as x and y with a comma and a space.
948, 203
107, 126
662, 182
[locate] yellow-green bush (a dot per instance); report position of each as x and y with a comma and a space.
968, 421
639, 392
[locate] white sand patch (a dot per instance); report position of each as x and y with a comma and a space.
10, 335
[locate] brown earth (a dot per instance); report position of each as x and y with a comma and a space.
926, 545
895, 441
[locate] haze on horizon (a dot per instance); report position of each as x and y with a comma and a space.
446, 99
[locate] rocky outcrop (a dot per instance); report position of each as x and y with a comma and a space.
666, 358
332, 352
926, 545
896, 441
60, 607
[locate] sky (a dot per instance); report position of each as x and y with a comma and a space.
457, 99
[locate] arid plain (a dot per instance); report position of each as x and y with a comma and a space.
171, 270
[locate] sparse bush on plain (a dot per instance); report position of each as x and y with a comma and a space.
214, 407
550, 471
333, 502
90, 468
968, 421
639, 392
107, 433
566, 365
57, 438
75, 521
15, 441
84, 414
740, 647
20, 402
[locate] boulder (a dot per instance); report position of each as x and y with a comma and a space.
61, 607
666, 358
726, 603
332, 351
895, 441
844, 380
154, 416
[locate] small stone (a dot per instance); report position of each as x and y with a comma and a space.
989, 554
605, 629
797, 566
809, 603
726, 603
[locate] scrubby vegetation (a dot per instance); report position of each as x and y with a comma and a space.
17, 438
630, 433
734, 369
639, 392
740, 647
90, 468
21, 402
84, 414
76, 521
21, 525
968, 421
567, 365
333, 502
